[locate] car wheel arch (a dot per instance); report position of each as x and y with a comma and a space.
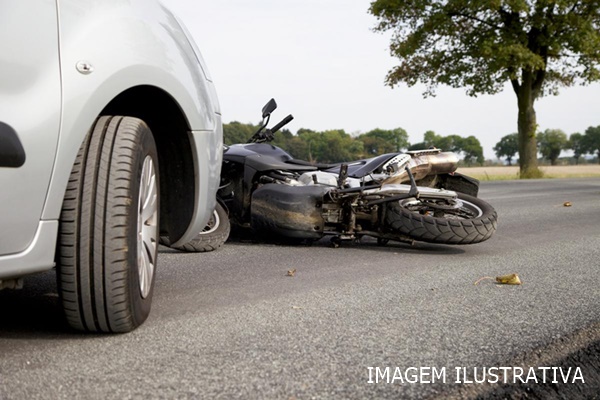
170, 129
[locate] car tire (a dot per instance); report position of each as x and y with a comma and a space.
108, 236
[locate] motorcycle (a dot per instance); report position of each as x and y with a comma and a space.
406, 197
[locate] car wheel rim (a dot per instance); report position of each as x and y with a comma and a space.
147, 226
460, 209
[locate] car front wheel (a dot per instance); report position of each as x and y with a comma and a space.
108, 237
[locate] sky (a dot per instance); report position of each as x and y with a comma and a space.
323, 63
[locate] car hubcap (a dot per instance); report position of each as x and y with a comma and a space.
147, 226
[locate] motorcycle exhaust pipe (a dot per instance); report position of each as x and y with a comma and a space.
423, 165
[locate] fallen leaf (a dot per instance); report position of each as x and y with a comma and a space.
291, 272
567, 204
512, 279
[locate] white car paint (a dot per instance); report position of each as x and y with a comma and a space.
52, 105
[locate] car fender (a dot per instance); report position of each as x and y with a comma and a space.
96, 39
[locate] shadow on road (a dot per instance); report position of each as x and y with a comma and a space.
366, 243
34, 311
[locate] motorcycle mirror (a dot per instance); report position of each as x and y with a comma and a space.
269, 108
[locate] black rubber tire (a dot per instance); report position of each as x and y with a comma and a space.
431, 229
98, 276
213, 236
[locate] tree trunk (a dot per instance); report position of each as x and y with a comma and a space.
528, 164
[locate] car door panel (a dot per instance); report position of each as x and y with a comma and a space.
30, 104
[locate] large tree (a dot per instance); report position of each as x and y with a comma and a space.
536, 45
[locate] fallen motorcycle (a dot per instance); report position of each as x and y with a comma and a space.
412, 196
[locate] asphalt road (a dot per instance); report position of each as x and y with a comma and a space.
231, 324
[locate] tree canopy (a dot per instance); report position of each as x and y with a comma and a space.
469, 147
591, 140
507, 147
380, 141
552, 142
577, 145
336, 145
536, 45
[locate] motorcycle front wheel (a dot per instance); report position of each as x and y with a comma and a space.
213, 236
466, 220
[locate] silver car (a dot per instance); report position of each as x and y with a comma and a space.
110, 135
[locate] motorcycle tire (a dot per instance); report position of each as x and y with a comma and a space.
475, 221
214, 235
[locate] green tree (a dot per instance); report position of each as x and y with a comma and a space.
236, 132
445, 143
336, 146
577, 144
469, 147
507, 147
430, 138
311, 146
536, 45
298, 148
324, 147
417, 146
380, 141
591, 140
551, 143
472, 151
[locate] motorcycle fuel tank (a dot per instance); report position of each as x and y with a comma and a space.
263, 157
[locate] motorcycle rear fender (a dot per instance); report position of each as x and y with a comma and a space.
458, 183
290, 211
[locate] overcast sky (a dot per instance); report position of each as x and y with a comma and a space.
323, 63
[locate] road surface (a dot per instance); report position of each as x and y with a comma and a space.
232, 324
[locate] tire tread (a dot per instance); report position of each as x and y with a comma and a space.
94, 256
443, 231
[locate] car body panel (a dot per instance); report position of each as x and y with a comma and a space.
35, 257
159, 57
30, 103
91, 52
208, 165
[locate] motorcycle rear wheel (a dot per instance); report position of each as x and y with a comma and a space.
426, 220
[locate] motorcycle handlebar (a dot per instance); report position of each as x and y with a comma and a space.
281, 124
